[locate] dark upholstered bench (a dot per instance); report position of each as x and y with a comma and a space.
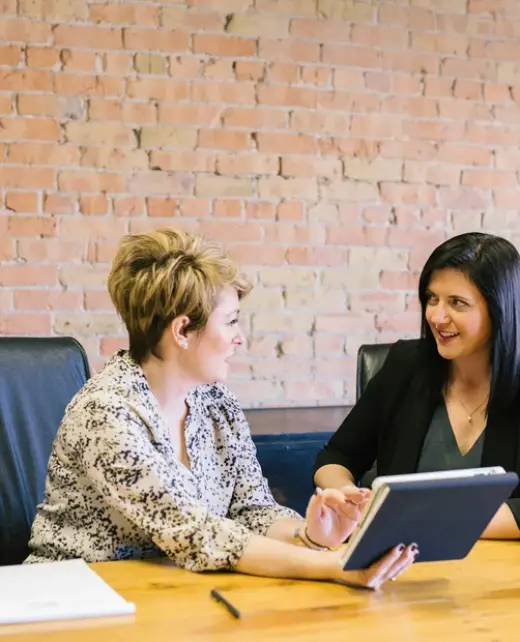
287, 441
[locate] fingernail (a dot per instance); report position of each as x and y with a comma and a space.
401, 548
414, 548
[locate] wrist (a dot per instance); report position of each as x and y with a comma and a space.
301, 534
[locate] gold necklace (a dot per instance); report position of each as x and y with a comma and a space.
470, 414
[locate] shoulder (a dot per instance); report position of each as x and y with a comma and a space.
216, 396
405, 351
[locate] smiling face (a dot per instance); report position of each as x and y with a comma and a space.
458, 315
211, 348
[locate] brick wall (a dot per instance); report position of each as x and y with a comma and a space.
331, 143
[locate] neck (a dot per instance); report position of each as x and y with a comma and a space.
471, 372
168, 386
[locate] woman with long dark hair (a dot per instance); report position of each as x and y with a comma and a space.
450, 399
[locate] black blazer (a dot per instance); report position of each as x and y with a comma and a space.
389, 423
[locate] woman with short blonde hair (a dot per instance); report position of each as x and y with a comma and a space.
154, 455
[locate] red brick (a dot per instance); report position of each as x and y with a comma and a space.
402, 323
378, 126
128, 206
234, 93
92, 227
184, 18
84, 181
78, 60
396, 193
434, 130
29, 178
114, 159
258, 255
25, 31
226, 208
53, 11
25, 202
458, 109
195, 207
414, 106
223, 45
157, 206
279, 95
224, 139
297, 166
320, 121
22, 275
117, 63
206, 115
491, 134
185, 67
286, 143
378, 81
6, 105
143, 15
455, 198
87, 85
288, 50
100, 134
25, 324
187, 161
322, 30
157, 182
260, 210
44, 153
218, 69
351, 56
221, 5
289, 211
10, 55
486, 179
231, 231
379, 37
58, 204
25, 80
51, 249
254, 118
476, 69
98, 300
88, 37
393, 280
407, 62
249, 70
413, 150
156, 39
319, 76
47, 300
95, 205
464, 154
255, 164
33, 128
413, 17
128, 112
109, 345
451, 45
158, 89
283, 72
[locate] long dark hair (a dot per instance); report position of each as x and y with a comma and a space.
492, 264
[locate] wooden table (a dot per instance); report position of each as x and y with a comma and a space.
476, 599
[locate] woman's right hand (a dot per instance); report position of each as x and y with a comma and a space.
389, 567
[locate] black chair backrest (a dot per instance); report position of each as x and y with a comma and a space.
38, 378
370, 359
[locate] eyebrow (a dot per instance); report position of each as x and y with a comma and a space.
233, 313
450, 296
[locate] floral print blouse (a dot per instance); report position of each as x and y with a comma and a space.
115, 488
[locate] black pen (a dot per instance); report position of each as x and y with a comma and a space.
218, 597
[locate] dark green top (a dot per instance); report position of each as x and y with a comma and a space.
440, 450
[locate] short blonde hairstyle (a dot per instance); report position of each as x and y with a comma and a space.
160, 275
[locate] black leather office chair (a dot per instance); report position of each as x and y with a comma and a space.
38, 378
370, 359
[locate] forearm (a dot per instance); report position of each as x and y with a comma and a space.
502, 526
270, 558
333, 476
283, 529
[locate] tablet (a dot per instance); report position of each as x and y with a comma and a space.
444, 513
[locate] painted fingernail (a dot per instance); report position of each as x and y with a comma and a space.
414, 548
401, 548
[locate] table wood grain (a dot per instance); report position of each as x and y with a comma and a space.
476, 599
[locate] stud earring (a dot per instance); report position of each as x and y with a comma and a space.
184, 345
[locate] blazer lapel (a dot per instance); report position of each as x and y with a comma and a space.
411, 423
501, 441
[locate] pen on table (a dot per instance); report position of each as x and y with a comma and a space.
218, 597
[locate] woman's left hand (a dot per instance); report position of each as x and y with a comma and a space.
333, 514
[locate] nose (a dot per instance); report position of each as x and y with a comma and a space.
438, 315
239, 337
